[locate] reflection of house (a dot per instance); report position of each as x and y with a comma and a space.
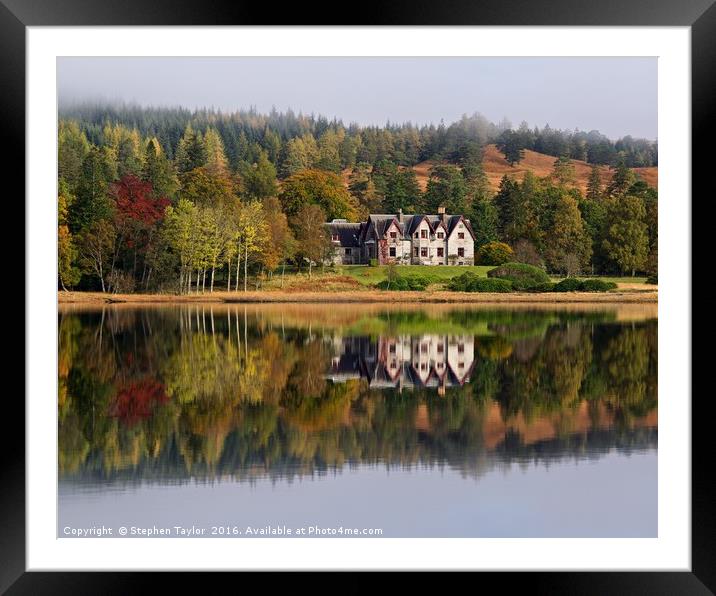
437, 361
439, 239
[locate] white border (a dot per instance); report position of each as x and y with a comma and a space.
671, 550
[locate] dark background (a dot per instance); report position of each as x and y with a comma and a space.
15, 15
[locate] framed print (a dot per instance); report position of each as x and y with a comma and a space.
359, 296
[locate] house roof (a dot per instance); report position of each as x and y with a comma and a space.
353, 234
348, 233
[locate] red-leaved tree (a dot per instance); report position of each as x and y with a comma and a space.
137, 216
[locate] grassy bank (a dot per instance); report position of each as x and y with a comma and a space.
366, 296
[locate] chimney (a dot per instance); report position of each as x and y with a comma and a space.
400, 215
442, 214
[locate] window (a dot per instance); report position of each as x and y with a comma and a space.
424, 348
441, 252
461, 235
441, 348
392, 348
423, 233
461, 365
423, 252
460, 252
415, 251
394, 234
441, 235
392, 251
335, 237
460, 348
348, 251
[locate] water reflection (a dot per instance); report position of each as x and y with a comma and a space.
178, 394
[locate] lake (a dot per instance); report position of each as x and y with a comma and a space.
357, 421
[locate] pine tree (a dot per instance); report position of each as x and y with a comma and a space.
594, 184
158, 170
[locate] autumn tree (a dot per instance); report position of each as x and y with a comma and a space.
204, 186
178, 229
96, 249
251, 228
316, 187
68, 273
280, 243
313, 239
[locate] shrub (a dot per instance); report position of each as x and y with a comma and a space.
402, 284
494, 253
597, 285
653, 280
373, 263
570, 284
470, 282
522, 276
547, 286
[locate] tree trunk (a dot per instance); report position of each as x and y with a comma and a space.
283, 271
203, 280
228, 276
238, 269
246, 264
310, 268
211, 287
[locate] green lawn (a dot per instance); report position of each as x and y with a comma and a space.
371, 275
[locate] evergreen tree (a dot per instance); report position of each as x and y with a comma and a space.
158, 170
259, 178
594, 184
191, 151
446, 188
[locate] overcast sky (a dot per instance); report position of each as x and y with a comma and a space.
617, 96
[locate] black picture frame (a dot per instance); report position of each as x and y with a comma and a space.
699, 15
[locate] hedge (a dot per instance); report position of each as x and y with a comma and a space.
402, 284
470, 282
572, 284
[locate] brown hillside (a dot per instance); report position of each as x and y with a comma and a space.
538, 163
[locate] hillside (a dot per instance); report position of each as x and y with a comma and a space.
538, 163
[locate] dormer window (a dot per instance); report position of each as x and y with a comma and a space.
423, 233
441, 235
335, 237
394, 234
461, 235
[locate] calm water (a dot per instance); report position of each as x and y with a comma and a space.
437, 421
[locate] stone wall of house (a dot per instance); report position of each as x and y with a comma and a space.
455, 243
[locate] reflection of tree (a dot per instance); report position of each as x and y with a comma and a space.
183, 393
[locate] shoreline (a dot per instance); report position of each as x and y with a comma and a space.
649, 296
